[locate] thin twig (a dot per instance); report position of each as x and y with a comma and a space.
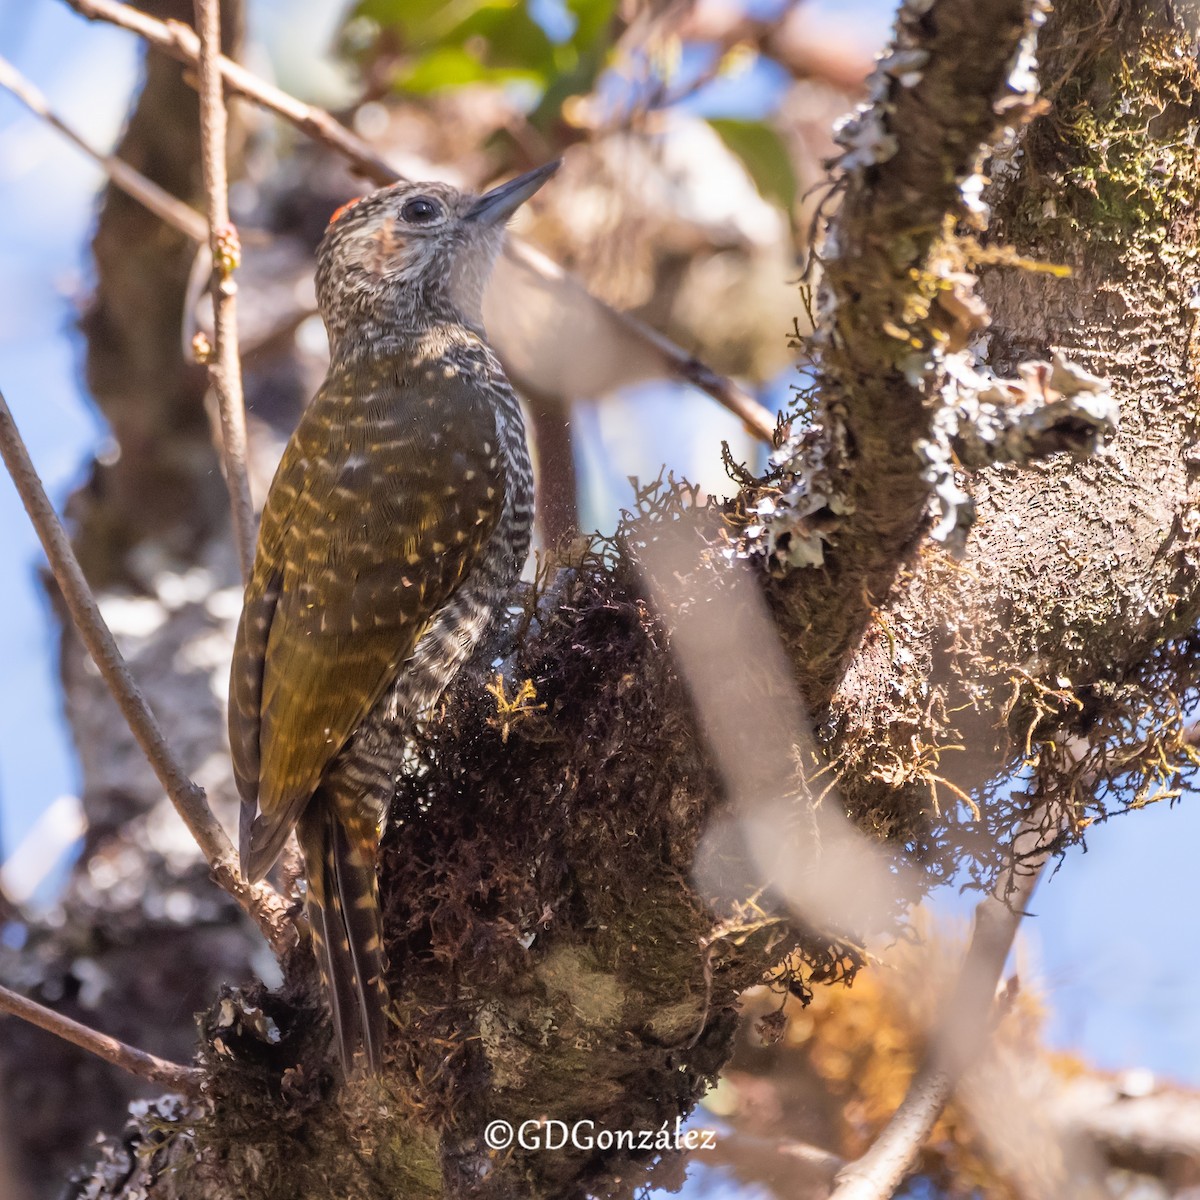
553, 445
160, 202
169, 209
137, 1062
968, 1016
262, 904
735, 1148
224, 365
181, 42
684, 366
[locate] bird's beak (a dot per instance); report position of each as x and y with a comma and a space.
500, 203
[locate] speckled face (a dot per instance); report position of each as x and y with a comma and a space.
398, 232
414, 249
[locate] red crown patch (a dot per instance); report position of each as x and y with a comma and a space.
343, 210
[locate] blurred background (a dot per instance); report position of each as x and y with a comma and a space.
692, 151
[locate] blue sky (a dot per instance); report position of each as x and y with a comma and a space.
1113, 926
46, 190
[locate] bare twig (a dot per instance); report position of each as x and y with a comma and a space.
224, 365
684, 366
137, 1062
160, 202
262, 904
553, 444
753, 1157
169, 209
182, 43
968, 1016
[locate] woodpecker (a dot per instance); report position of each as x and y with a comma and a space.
396, 524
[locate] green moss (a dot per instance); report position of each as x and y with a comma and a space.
1121, 147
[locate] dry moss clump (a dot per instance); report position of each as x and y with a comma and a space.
550, 954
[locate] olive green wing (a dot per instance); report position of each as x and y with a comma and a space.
396, 493
245, 684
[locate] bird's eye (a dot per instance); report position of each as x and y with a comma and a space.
420, 210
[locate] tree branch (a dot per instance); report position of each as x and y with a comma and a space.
224, 365
182, 43
966, 1019
554, 450
133, 183
261, 903
895, 302
137, 1062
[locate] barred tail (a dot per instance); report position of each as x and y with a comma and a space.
347, 929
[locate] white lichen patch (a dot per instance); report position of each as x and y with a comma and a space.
1050, 408
238, 1014
864, 135
864, 138
797, 521
1022, 79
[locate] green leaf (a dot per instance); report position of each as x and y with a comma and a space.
764, 155
453, 43
474, 41
412, 18
507, 36
579, 60
454, 66
593, 21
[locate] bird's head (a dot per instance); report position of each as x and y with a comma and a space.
413, 254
